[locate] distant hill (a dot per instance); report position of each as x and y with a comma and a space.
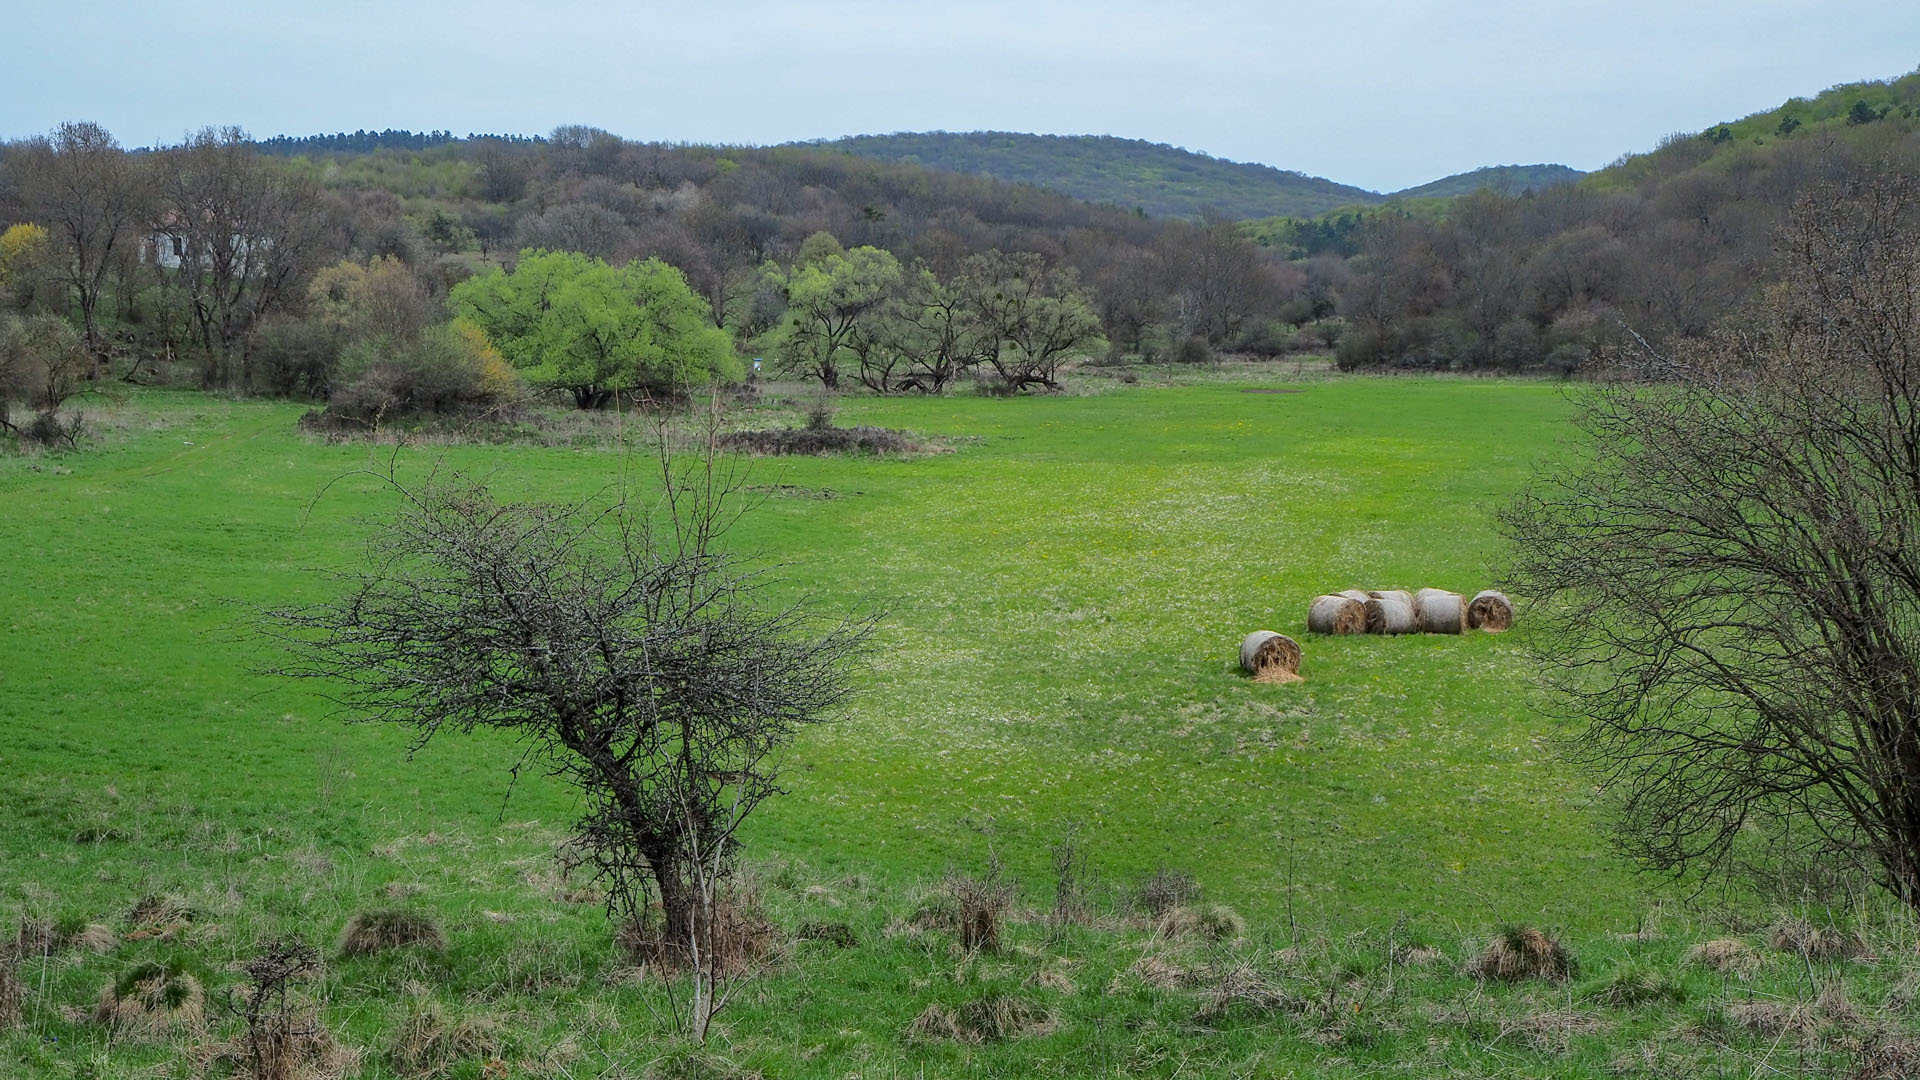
1505, 179
1161, 180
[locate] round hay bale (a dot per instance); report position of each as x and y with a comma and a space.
1333, 614
1270, 657
1389, 615
1359, 595
1491, 611
1440, 612
1401, 595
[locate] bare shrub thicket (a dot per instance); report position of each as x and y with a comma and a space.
43, 364
1728, 582
634, 657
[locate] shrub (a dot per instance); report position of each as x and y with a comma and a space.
813, 440
978, 906
449, 371
1192, 349
1264, 337
296, 357
833, 933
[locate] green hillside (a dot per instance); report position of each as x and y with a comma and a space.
1161, 180
1857, 113
1505, 179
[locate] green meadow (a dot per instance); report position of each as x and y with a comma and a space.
1064, 586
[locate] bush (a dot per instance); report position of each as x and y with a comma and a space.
1192, 350
449, 371
296, 357
1265, 337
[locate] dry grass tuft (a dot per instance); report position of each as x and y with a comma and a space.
993, 1018
1802, 938
742, 938
1888, 1057
1243, 991
1164, 890
430, 1041
1636, 984
1768, 1019
152, 999
307, 1052
370, 932
44, 937
1054, 980
1159, 973
1417, 955
1728, 956
163, 917
833, 933
1208, 922
1552, 1030
688, 1061
976, 908
13, 995
96, 938
1523, 952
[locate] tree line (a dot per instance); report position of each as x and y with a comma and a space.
219, 262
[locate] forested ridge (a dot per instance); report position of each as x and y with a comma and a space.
1154, 178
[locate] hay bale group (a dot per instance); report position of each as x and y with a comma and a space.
1397, 611
1275, 658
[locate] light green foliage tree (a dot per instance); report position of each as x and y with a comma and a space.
832, 304
571, 322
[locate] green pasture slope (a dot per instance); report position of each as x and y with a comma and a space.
1064, 593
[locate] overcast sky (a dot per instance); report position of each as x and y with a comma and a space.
1383, 95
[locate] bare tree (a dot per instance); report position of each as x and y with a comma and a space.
1728, 581
80, 183
1032, 315
634, 658
248, 232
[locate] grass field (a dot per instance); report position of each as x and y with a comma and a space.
1064, 590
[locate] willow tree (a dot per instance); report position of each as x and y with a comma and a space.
573, 323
